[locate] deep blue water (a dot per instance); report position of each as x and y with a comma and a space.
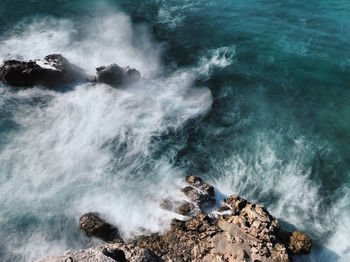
253, 96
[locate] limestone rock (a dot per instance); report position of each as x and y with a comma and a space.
300, 243
245, 233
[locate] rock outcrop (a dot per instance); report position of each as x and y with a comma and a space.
116, 75
95, 226
238, 231
53, 69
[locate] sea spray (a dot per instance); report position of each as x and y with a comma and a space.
91, 148
274, 126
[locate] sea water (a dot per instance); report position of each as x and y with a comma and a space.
253, 96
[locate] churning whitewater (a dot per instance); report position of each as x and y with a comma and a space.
252, 97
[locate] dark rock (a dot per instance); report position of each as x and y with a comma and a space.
199, 192
111, 75
116, 75
116, 254
52, 70
65, 71
19, 73
132, 74
93, 225
185, 208
177, 224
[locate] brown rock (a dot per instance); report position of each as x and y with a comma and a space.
185, 208
300, 243
249, 233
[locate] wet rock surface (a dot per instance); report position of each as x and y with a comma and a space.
116, 75
95, 226
238, 232
53, 69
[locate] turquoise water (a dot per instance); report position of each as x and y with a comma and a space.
253, 96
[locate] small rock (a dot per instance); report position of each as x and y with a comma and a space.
132, 74
300, 243
112, 74
116, 75
185, 208
166, 204
117, 254
93, 225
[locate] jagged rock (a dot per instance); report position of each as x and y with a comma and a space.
253, 219
199, 192
300, 243
246, 233
116, 75
93, 225
53, 69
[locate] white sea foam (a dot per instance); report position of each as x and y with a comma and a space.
112, 39
90, 149
287, 190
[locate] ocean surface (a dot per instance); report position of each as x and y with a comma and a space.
253, 96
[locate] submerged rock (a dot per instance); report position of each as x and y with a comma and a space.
93, 225
116, 75
52, 70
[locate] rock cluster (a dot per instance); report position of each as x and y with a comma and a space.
55, 70
200, 195
238, 232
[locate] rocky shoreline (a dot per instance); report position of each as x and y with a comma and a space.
55, 70
238, 231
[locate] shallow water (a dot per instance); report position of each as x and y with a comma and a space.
252, 96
